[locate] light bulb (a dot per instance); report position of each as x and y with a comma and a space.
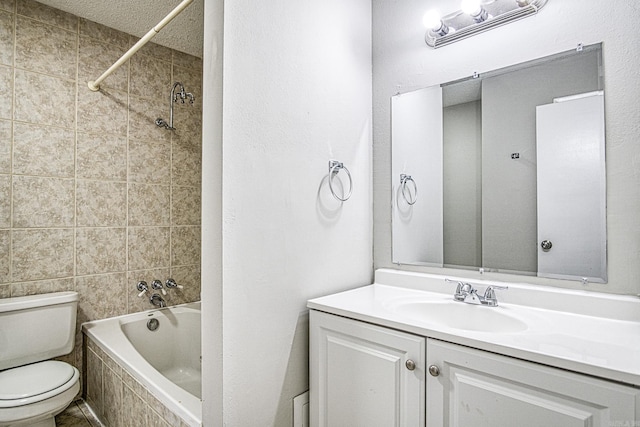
431, 20
471, 7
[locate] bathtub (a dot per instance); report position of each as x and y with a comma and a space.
166, 361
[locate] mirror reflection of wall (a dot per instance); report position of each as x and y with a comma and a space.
489, 195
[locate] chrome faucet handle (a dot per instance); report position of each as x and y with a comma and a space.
462, 289
157, 285
142, 287
490, 294
170, 283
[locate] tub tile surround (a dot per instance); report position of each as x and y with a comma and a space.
93, 196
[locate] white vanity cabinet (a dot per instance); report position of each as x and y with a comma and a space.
482, 389
362, 375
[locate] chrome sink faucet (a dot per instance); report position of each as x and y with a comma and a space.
465, 292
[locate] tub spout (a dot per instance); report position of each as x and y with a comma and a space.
157, 300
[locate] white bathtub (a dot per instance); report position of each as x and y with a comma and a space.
166, 361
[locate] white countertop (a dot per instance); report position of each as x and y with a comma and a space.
587, 332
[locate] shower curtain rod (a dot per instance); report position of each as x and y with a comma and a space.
95, 85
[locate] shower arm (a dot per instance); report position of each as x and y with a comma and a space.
174, 97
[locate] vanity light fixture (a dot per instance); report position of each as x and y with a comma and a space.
474, 17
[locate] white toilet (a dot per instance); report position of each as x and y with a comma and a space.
33, 329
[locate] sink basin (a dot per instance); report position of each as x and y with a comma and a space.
458, 315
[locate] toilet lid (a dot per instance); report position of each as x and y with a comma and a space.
32, 380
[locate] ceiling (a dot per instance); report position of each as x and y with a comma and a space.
137, 17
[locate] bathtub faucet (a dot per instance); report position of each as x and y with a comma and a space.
157, 300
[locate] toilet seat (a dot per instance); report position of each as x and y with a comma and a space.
33, 383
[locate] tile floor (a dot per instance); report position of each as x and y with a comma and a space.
77, 415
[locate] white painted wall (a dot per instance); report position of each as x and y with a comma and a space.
211, 289
297, 92
403, 62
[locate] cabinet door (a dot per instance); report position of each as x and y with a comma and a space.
360, 375
477, 388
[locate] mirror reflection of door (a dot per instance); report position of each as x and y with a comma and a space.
571, 187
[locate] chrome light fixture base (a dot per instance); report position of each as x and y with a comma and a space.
498, 12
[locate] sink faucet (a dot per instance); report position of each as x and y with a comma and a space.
157, 300
467, 293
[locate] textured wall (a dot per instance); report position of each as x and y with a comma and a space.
297, 92
94, 197
403, 62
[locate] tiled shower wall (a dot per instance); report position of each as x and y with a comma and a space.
93, 195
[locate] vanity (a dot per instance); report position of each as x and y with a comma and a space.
403, 352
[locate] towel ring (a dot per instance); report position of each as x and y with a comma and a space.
404, 179
334, 169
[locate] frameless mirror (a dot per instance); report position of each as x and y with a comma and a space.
505, 171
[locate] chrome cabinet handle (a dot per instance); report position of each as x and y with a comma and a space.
546, 245
410, 364
434, 370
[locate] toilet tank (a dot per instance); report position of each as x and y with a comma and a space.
36, 327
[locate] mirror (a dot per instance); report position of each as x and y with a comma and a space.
505, 171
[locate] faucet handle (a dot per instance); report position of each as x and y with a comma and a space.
157, 285
490, 295
142, 287
170, 283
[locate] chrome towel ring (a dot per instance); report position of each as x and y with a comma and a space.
404, 179
334, 169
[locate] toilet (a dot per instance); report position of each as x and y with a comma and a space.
34, 329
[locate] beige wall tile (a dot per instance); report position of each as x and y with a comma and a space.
93, 387
150, 161
106, 34
103, 112
185, 245
150, 77
112, 392
143, 113
43, 150
101, 296
185, 60
6, 92
100, 250
148, 247
6, 38
43, 202
169, 417
42, 287
5, 291
149, 204
41, 254
47, 14
101, 157
95, 57
189, 133
136, 414
5, 146
101, 203
5, 260
45, 48
134, 303
8, 5
186, 203
186, 166
37, 102
5, 201
189, 278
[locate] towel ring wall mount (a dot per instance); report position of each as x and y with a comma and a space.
334, 169
406, 192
